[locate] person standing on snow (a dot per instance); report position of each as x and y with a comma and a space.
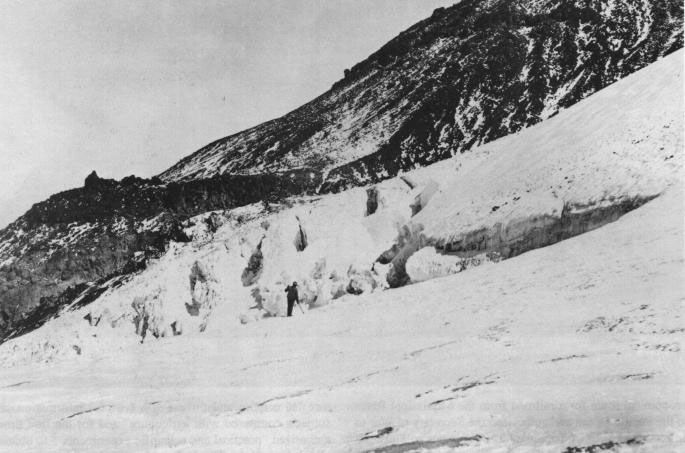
142, 318
293, 297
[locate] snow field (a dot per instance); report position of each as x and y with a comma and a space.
572, 345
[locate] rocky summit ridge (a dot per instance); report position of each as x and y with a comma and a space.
465, 76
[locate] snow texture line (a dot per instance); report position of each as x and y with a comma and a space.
429, 348
427, 445
277, 398
87, 411
17, 384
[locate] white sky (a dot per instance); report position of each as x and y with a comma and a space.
130, 87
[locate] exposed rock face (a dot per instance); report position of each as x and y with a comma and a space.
76, 296
92, 180
467, 75
111, 227
43, 263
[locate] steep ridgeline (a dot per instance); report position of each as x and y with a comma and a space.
467, 75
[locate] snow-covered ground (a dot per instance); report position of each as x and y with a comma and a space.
572, 345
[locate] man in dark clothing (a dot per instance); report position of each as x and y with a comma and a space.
292, 297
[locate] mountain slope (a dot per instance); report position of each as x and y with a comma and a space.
586, 333
469, 74
511, 196
587, 166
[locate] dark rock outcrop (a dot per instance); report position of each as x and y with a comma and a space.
107, 228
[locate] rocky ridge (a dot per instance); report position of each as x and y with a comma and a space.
469, 74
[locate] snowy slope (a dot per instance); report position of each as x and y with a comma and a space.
554, 180
576, 345
465, 76
343, 243
574, 172
569, 346
625, 142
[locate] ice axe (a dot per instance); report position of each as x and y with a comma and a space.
301, 309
